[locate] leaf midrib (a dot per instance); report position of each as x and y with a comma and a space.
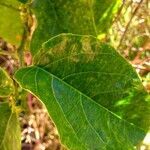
64, 114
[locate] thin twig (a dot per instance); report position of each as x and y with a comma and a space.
128, 24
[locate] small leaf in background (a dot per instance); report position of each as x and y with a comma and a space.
81, 122
98, 71
78, 17
140, 41
6, 84
10, 19
10, 135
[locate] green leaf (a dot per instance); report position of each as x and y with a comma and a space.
99, 72
10, 135
23, 1
10, 19
13, 4
81, 122
6, 84
77, 16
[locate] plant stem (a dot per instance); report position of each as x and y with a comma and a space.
128, 24
25, 16
21, 47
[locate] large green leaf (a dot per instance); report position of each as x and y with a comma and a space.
82, 123
6, 84
10, 23
10, 135
75, 16
98, 71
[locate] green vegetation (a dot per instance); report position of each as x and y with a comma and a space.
92, 93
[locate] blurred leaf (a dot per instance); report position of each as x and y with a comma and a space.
10, 19
82, 123
98, 71
6, 84
101, 36
10, 3
23, 1
9, 129
76, 16
106, 12
139, 41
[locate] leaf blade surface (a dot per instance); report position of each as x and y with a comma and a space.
74, 114
77, 16
98, 71
10, 135
10, 19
